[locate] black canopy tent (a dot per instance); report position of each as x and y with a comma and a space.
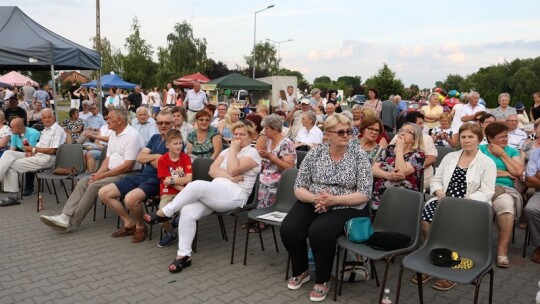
26, 45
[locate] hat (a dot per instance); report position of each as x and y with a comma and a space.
305, 101
519, 106
445, 257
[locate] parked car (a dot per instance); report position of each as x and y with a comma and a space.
413, 106
358, 99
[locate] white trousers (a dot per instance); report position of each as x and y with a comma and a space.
75, 103
197, 200
12, 163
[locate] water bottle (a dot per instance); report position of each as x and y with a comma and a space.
41, 203
311, 260
386, 298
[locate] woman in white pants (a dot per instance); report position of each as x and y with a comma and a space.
234, 172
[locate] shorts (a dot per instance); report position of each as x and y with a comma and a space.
504, 203
96, 154
147, 183
165, 200
156, 110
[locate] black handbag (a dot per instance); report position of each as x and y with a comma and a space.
388, 241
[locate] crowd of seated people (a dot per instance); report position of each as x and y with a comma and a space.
350, 159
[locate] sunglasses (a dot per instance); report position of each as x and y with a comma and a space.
163, 123
203, 120
347, 132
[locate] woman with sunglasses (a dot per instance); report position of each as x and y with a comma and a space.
507, 201
370, 129
333, 186
399, 165
205, 141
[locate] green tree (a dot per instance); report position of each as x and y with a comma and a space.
184, 54
351, 81
138, 65
452, 82
385, 82
266, 57
216, 69
524, 83
322, 79
111, 57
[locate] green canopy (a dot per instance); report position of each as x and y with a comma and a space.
240, 82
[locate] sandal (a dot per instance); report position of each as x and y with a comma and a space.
153, 218
444, 285
425, 278
180, 264
502, 261
124, 231
9, 201
257, 228
295, 283
318, 294
139, 235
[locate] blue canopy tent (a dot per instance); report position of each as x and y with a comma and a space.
111, 80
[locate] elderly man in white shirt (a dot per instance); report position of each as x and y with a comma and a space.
516, 136
309, 136
125, 143
144, 124
195, 101
33, 158
468, 110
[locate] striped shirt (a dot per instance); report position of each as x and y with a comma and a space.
52, 137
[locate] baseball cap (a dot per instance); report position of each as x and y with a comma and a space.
305, 101
445, 257
519, 106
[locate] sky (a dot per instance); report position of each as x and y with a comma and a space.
422, 41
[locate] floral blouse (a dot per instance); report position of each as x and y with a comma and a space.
351, 174
72, 126
439, 141
271, 173
411, 181
205, 149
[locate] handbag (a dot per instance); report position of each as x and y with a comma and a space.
388, 241
358, 229
64, 171
498, 191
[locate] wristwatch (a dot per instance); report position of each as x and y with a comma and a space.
172, 181
33, 151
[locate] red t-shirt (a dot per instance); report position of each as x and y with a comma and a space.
166, 168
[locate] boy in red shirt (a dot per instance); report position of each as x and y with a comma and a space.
174, 172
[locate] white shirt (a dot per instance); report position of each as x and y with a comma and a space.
105, 131
83, 116
5, 131
249, 177
196, 101
113, 101
170, 100
456, 121
124, 146
157, 99
52, 137
517, 138
314, 136
146, 130
469, 110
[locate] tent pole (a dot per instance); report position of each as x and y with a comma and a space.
54, 93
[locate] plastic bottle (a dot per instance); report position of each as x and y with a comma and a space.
386, 297
311, 260
41, 204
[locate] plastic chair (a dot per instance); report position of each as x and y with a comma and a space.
300, 155
441, 153
285, 199
67, 156
463, 226
399, 211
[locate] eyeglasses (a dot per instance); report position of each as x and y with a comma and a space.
203, 120
347, 132
501, 137
406, 131
163, 123
93, 108
374, 130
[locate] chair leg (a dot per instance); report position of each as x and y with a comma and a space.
234, 238
419, 285
381, 293
48, 187
342, 271
275, 239
400, 275
65, 188
374, 272
260, 235
288, 266
55, 193
247, 242
526, 241
194, 243
491, 274
337, 273
95, 210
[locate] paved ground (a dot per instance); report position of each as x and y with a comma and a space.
40, 265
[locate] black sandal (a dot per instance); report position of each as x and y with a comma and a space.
180, 264
10, 201
153, 218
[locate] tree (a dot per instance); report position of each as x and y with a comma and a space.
524, 83
138, 65
452, 82
385, 82
351, 81
322, 79
111, 57
266, 56
216, 69
183, 55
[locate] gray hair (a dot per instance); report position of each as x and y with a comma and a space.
504, 95
472, 93
222, 104
2, 116
143, 109
348, 114
311, 116
86, 103
315, 91
121, 113
273, 121
356, 107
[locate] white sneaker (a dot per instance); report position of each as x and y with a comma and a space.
58, 222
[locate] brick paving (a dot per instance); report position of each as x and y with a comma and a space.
40, 265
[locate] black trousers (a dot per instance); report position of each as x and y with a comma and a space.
322, 229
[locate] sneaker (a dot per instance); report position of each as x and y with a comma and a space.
58, 222
28, 192
167, 239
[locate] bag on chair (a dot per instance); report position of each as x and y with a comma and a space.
358, 229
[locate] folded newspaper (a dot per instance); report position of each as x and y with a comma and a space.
275, 216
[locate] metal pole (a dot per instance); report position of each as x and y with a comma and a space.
98, 48
254, 43
54, 93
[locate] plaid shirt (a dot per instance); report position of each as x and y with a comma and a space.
52, 137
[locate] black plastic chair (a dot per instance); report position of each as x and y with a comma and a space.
441, 153
399, 211
300, 155
285, 199
463, 226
